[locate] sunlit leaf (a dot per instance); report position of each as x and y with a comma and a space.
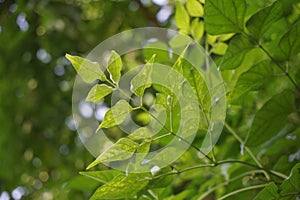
140, 133
290, 43
182, 18
115, 66
197, 29
116, 114
224, 16
225, 37
121, 187
194, 8
89, 71
121, 150
142, 80
141, 153
98, 92
211, 39
101, 176
220, 48
271, 118
261, 21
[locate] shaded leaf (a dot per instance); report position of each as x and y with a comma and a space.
270, 119
290, 43
268, 193
261, 21
143, 79
292, 184
115, 66
121, 187
121, 150
253, 79
116, 114
194, 8
238, 47
182, 18
98, 92
82, 183
89, 71
224, 16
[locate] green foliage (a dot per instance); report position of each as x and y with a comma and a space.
277, 109
224, 16
116, 114
88, 70
121, 150
114, 67
251, 160
120, 187
98, 92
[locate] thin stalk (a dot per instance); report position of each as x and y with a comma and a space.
205, 194
246, 148
207, 54
273, 59
243, 190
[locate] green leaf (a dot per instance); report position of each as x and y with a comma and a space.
238, 48
121, 187
143, 79
226, 37
220, 48
270, 119
182, 18
254, 79
141, 154
116, 114
101, 176
89, 71
292, 184
211, 39
115, 66
261, 21
224, 16
81, 183
197, 29
194, 8
121, 150
161, 98
290, 43
179, 42
98, 92
140, 133
268, 193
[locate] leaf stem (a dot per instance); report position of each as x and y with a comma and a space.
273, 59
280, 67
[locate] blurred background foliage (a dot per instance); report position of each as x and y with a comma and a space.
39, 147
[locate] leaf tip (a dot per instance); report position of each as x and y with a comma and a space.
93, 164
